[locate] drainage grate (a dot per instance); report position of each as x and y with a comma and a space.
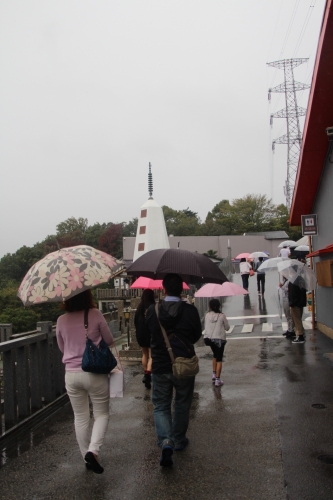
318, 406
326, 459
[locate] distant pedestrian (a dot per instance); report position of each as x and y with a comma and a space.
143, 334
183, 327
245, 268
80, 385
285, 252
297, 300
261, 276
290, 333
216, 326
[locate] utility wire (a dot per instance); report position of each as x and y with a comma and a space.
289, 27
305, 24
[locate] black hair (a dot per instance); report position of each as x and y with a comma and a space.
173, 284
147, 299
243, 259
261, 259
214, 305
79, 302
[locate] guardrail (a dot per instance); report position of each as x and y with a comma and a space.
111, 293
32, 375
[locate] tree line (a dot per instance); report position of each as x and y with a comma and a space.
252, 213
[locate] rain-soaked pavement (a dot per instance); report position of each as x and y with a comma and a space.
257, 437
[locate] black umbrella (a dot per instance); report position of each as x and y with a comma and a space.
192, 267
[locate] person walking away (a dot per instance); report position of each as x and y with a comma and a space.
261, 276
182, 324
245, 268
80, 385
285, 252
297, 300
290, 333
216, 325
143, 334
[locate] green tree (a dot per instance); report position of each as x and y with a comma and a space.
181, 222
111, 241
129, 228
93, 233
72, 232
220, 220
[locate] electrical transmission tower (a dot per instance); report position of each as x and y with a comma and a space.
291, 112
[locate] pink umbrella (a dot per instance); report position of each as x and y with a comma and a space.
243, 255
227, 289
143, 282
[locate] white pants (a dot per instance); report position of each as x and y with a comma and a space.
79, 385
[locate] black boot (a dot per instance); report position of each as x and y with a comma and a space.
148, 381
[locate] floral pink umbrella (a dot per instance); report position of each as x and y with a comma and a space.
227, 289
65, 273
143, 282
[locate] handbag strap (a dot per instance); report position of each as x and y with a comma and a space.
169, 348
85, 322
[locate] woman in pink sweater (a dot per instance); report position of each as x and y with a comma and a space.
71, 340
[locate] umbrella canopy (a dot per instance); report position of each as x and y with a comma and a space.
143, 282
302, 248
303, 241
298, 273
244, 255
65, 273
270, 264
227, 289
192, 267
287, 243
255, 255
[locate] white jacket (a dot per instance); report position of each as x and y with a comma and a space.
216, 325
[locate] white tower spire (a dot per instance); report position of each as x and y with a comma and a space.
151, 233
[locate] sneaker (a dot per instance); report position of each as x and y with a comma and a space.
218, 382
290, 335
299, 340
166, 456
182, 445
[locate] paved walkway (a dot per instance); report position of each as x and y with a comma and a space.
258, 437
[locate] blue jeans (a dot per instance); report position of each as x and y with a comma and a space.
167, 427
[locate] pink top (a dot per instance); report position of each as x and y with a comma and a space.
71, 336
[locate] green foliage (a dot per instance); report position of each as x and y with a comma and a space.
130, 228
93, 233
181, 222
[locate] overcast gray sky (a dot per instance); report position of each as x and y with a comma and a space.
92, 90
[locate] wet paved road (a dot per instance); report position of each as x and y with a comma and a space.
257, 437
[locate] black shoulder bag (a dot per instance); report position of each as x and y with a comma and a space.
96, 359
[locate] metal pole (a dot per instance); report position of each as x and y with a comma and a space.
312, 291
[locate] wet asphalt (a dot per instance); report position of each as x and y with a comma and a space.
257, 437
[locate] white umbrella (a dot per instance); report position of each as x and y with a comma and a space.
298, 273
270, 264
303, 241
258, 254
302, 248
287, 243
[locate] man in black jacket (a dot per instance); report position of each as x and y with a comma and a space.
183, 321
297, 300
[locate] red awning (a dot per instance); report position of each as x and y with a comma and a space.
328, 249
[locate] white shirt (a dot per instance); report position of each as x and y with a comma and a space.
245, 267
284, 253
